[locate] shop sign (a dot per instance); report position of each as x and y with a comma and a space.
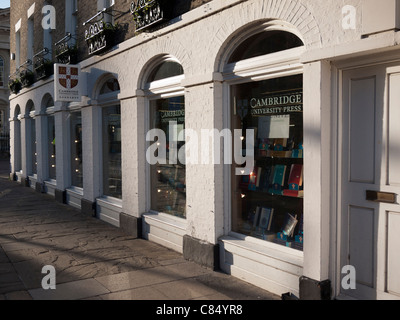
277, 103
67, 84
146, 13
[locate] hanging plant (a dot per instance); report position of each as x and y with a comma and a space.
15, 86
27, 78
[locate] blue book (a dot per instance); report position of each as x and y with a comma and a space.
278, 181
266, 215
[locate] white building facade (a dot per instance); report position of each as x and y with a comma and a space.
319, 83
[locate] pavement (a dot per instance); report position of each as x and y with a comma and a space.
93, 260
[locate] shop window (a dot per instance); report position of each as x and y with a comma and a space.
268, 203
111, 85
168, 180
51, 144
32, 138
167, 69
17, 141
112, 167
167, 117
265, 43
76, 149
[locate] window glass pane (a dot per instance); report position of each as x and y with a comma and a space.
165, 70
111, 85
33, 144
112, 175
51, 134
76, 150
168, 180
265, 43
268, 204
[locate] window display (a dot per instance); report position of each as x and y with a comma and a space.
33, 144
51, 146
268, 203
112, 172
76, 149
168, 181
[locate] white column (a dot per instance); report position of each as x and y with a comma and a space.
133, 155
317, 168
204, 182
24, 123
15, 145
92, 152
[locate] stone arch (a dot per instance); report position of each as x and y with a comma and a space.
149, 66
17, 111
168, 45
101, 81
30, 106
290, 14
47, 101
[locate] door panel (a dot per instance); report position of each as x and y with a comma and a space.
361, 244
394, 131
362, 128
370, 160
393, 261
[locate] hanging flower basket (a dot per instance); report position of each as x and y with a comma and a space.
44, 68
15, 86
27, 78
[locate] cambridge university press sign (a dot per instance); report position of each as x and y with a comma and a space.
67, 82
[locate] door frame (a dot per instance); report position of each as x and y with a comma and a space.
383, 60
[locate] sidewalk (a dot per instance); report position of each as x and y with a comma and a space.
94, 260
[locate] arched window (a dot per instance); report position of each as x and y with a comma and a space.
167, 119
17, 140
265, 42
76, 149
31, 138
48, 106
266, 104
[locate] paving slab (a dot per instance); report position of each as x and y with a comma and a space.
94, 260
70, 291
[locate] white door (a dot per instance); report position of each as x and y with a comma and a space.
370, 181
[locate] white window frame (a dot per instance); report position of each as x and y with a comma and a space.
270, 66
160, 89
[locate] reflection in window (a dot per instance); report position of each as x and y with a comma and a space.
112, 173
76, 150
51, 138
165, 70
33, 144
265, 43
168, 181
111, 85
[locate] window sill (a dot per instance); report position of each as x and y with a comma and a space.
75, 190
110, 201
166, 219
265, 249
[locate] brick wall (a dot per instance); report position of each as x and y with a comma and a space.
86, 10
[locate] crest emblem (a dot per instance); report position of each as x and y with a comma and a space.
68, 77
